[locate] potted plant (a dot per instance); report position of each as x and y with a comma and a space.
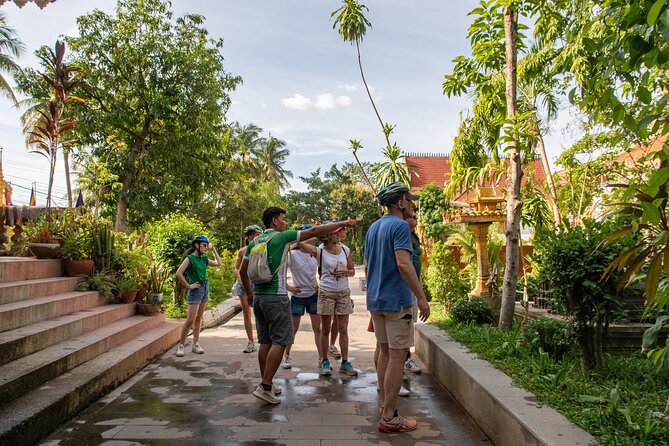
44, 242
127, 287
100, 282
77, 252
159, 274
103, 247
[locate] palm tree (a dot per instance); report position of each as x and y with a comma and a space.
270, 157
391, 170
355, 146
246, 140
351, 25
11, 47
46, 121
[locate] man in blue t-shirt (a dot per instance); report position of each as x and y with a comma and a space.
391, 279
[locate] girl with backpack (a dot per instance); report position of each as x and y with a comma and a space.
192, 273
250, 232
335, 266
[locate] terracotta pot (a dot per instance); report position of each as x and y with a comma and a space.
128, 297
45, 250
79, 268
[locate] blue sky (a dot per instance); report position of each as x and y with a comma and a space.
300, 80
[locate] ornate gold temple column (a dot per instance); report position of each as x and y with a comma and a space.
482, 212
5, 187
481, 237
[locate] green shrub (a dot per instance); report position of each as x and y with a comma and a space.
573, 260
446, 283
168, 239
472, 310
432, 206
554, 336
221, 279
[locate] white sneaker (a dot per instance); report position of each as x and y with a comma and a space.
276, 390
250, 347
285, 362
332, 351
180, 350
197, 349
403, 391
410, 366
266, 396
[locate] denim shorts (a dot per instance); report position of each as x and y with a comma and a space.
298, 305
274, 323
198, 295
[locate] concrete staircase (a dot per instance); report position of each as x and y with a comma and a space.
61, 349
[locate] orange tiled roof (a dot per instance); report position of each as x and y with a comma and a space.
426, 168
21, 3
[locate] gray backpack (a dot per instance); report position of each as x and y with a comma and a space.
259, 270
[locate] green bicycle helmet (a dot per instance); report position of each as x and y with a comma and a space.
251, 229
393, 192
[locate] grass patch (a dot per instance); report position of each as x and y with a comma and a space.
615, 405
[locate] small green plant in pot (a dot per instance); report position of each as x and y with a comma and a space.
159, 275
100, 282
44, 240
127, 287
77, 251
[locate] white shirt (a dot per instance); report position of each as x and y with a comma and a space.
329, 263
304, 269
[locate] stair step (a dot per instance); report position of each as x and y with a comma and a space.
29, 289
25, 420
14, 269
29, 372
26, 340
30, 311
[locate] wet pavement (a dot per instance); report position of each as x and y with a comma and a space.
206, 400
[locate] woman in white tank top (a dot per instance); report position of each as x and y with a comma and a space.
334, 296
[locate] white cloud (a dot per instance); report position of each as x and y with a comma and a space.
348, 87
325, 101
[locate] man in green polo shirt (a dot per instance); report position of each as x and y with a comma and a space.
271, 306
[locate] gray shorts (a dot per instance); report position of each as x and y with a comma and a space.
274, 321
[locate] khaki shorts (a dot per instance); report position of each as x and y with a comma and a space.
394, 328
335, 302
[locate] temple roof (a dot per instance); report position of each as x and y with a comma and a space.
22, 3
426, 168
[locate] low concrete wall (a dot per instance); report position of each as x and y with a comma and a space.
508, 415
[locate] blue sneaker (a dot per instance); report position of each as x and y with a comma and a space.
347, 368
326, 370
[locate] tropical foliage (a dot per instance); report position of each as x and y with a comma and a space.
157, 100
573, 261
48, 119
351, 24
11, 47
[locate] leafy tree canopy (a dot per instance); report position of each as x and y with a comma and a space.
157, 103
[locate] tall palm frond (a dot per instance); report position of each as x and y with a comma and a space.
393, 169
11, 47
271, 157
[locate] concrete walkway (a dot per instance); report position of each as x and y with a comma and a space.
206, 400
